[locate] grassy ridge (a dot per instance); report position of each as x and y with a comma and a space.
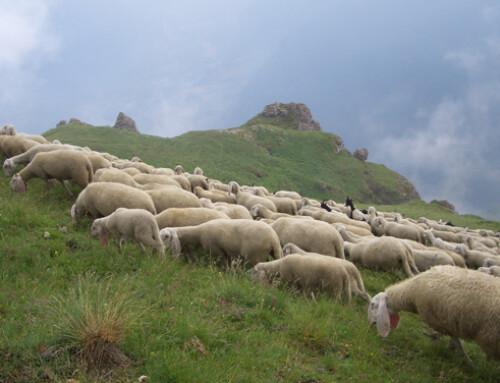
263, 155
195, 323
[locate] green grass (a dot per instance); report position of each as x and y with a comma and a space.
194, 323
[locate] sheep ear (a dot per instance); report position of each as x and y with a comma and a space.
176, 245
383, 319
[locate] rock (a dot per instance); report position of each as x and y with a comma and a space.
124, 122
64, 230
361, 154
339, 145
61, 123
74, 120
298, 115
46, 234
448, 206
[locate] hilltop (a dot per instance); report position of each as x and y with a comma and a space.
311, 162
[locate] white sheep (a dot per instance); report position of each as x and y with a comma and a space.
331, 217
438, 242
144, 179
311, 273
214, 195
137, 224
355, 280
100, 199
188, 216
284, 205
425, 259
226, 240
491, 270
233, 211
8, 130
310, 235
197, 180
384, 253
380, 226
458, 260
11, 146
167, 197
61, 165
248, 199
144, 168
288, 194
116, 176
453, 301
473, 258
260, 211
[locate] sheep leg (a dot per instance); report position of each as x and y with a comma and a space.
456, 344
65, 186
313, 297
142, 247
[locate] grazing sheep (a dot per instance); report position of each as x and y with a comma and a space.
311, 273
197, 180
214, 195
100, 199
473, 258
11, 146
476, 244
188, 216
352, 233
144, 179
124, 224
284, 205
380, 226
310, 235
457, 259
438, 242
61, 165
144, 168
260, 211
248, 199
227, 240
287, 194
453, 301
425, 259
355, 280
332, 217
168, 197
183, 181
98, 162
491, 270
384, 253
493, 261
24, 158
116, 176
233, 211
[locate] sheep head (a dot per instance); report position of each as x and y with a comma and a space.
17, 184
379, 314
98, 230
7, 167
171, 241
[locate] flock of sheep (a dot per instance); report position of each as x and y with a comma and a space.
452, 272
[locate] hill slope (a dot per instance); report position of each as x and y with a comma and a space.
266, 155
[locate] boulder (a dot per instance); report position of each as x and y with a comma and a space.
124, 122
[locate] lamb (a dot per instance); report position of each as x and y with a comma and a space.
425, 259
310, 235
260, 211
311, 273
168, 197
385, 253
188, 216
214, 195
233, 211
288, 194
355, 280
137, 224
100, 199
11, 146
24, 158
247, 199
227, 240
144, 179
61, 165
380, 226
284, 205
453, 301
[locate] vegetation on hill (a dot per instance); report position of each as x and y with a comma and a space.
276, 158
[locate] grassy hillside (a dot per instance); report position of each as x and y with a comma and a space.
184, 322
261, 154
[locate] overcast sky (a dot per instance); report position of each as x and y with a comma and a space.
417, 82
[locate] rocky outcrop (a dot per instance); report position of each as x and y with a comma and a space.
124, 122
361, 154
298, 115
448, 206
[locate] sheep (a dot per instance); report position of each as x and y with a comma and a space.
493, 261
8, 130
384, 253
260, 211
380, 226
311, 273
197, 180
100, 199
458, 260
144, 168
438, 242
425, 259
144, 179
163, 171
437, 226
61, 165
233, 211
198, 171
491, 270
98, 162
131, 171
183, 181
187, 216
355, 280
227, 240
473, 258
168, 197
352, 233
475, 244
214, 195
453, 301
11, 146
284, 205
116, 176
136, 159
137, 224
178, 169
247, 199
24, 158
310, 235
335, 218
288, 194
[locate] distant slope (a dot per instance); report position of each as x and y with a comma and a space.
264, 155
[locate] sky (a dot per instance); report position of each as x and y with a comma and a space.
416, 82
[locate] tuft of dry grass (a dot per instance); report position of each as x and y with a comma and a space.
92, 320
